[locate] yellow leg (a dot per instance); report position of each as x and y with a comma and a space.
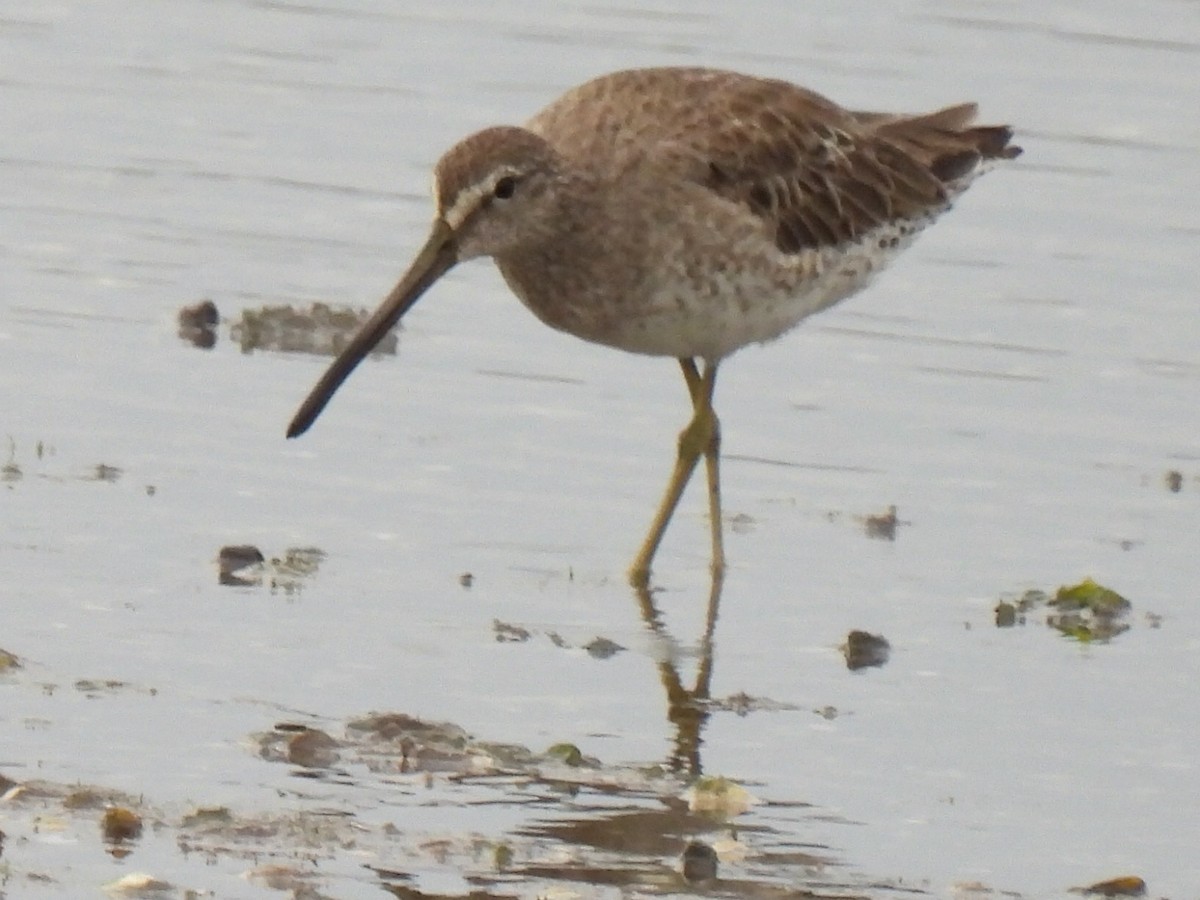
702, 436
712, 466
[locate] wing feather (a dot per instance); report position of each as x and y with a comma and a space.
816, 174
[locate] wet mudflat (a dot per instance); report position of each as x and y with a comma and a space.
1009, 411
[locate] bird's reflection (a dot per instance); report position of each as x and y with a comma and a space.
687, 710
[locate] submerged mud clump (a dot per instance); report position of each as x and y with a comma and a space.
321, 329
864, 650
882, 526
55, 808
377, 802
198, 324
640, 828
312, 749
698, 864
120, 824
244, 565
239, 565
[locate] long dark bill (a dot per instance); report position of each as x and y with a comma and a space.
437, 256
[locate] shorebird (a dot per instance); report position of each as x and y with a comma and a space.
685, 212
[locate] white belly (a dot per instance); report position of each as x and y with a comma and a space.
712, 313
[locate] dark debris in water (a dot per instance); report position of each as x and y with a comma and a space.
99, 687
244, 565
583, 825
509, 634
602, 648
321, 328
698, 864
882, 526
8, 661
105, 472
598, 647
634, 828
864, 650
15, 470
120, 824
198, 324
1087, 612
55, 808
240, 565
1123, 886
312, 749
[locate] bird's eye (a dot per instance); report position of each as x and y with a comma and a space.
504, 187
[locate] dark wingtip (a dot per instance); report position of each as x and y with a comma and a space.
992, 141
955, 165
1007, 150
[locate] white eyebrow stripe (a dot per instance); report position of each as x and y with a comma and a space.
472, 197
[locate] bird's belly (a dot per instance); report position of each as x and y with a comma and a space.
713, 315
704, 304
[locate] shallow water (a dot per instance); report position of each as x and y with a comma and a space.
1019, 385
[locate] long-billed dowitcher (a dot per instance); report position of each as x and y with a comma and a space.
685, 212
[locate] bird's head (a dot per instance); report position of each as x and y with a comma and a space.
497, 191
496, 194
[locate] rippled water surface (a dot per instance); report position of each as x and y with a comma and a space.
1021, 386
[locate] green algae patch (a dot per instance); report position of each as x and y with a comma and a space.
1087, 612
1092, 597
568, 754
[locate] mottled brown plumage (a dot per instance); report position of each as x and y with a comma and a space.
816, 173
686, 212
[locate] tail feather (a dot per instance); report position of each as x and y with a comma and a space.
992, 141
945, 140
